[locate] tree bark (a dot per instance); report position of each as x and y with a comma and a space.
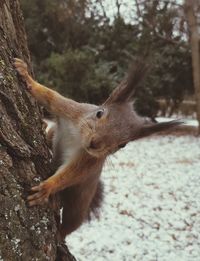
195, 47
25, 233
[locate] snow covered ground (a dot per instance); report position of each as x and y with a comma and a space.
151, 208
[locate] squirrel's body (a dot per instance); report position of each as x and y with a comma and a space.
83, 197
82, 138
65, 141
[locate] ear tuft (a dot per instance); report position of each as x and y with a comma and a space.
150, 129
126, 89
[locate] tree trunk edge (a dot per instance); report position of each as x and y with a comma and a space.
195, 48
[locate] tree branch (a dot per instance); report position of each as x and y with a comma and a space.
152, 27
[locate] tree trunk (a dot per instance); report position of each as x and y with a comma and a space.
25, 233
195, 47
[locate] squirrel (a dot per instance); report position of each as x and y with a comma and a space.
83, 137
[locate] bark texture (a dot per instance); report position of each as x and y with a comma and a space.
25, 233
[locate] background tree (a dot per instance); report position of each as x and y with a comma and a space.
192, 9
25, 233
163, 36
83, 48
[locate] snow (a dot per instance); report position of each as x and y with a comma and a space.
151, 209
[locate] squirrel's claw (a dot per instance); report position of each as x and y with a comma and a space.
21, 67
40, 196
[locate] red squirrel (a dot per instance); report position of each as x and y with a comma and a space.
83, 137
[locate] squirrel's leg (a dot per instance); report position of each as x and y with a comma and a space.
76, 204
52, 100
72, 218
65, 176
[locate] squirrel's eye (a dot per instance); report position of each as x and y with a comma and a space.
122, 145
99, 113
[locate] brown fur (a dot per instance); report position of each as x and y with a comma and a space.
98, 131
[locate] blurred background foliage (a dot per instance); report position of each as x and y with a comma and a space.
83, 51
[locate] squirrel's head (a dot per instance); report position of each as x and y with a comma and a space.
109, 127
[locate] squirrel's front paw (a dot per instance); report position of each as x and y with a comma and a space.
21, 67
41, 194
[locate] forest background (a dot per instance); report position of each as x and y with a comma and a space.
84, 48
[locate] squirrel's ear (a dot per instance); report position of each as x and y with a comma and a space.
125, 90
149, 129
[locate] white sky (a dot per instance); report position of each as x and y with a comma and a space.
127, 8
